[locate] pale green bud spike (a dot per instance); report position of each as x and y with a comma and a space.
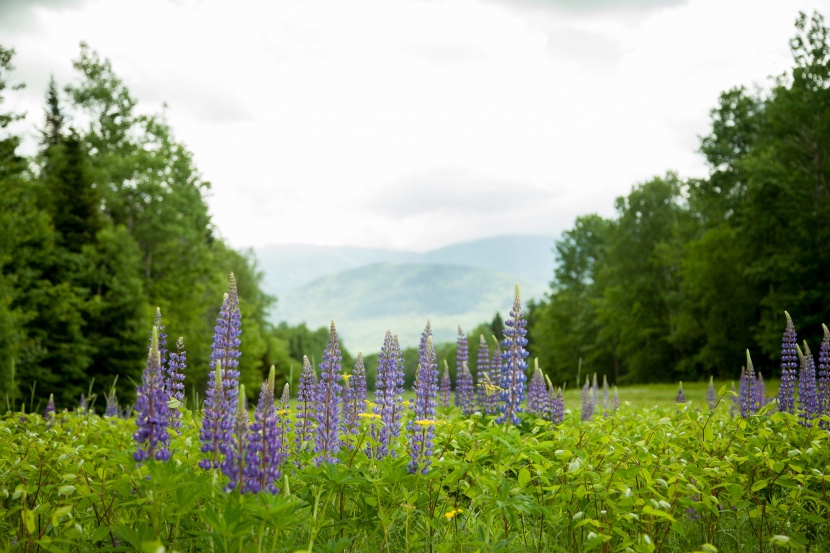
496, 340
550, 384
711, 380
800, 354
749, 362
272, 377
826, 332
535, 365
807, 352
681, 384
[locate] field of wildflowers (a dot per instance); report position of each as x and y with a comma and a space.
508, 466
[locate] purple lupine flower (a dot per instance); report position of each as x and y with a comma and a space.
789, 367
605, 395
162, 338
306, 392
513, 376
760, 391
112, 404
615, 401
711, 396
557, 412
594, 391
327, 403
49, 413
151, 437
550, 395
267, 441
536, 391
234, 466
284, 419
493, 399
807, 385
389, 395
823, 392
217, 424
354, 397
422, 347
422, 427
83, 405
482, 370
587, 401
465, 392
445, 387
680, 397
747, 389
173, 382
226, 342
461, 356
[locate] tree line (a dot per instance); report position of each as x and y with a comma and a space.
690, 273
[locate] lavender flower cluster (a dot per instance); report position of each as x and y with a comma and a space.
513, 364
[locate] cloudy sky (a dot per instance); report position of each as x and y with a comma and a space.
415, 123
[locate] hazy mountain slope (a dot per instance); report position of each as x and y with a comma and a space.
364, 302
289, 266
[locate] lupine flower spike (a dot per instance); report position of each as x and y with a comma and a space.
217, 424
226, 342
284, 419
711, 397
807, 385
587, 403
536, 391
112, 404
789, 367
422, 427
355, 397
465, 390
49, 413
595, 391
151, 437
492, 402
445, 388
266, 451
823, 392
760, 391
327, 403
174, 381
482, 372
681, 397
747, 389
305, 405
461, 357
234, 464
514, 364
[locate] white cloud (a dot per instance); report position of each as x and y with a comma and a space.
375, 123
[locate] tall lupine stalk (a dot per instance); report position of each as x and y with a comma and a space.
711, 396
152, 438
558, 407
49, 413
587, 401
464, 390
492, 400
173, 381
266, 443
162, 339
284, 420
422, 347
537, 392
355, 398
445, 388
236, 457
514, 365
807, 385
226, 341
760, 391
789, 368
482, 369
389, 395
823, 383
748, 397
327, 403
217, 424
605, 394
306, 392
112, 403
462, 354
422, 427
680, 397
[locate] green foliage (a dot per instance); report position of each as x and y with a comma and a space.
658, 479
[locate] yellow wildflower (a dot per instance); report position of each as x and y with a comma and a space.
369, 415
346, 377
426, 422
451, 514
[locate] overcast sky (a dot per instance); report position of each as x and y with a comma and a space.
415, 123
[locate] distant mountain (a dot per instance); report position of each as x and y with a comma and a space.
364, 302
289, 266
